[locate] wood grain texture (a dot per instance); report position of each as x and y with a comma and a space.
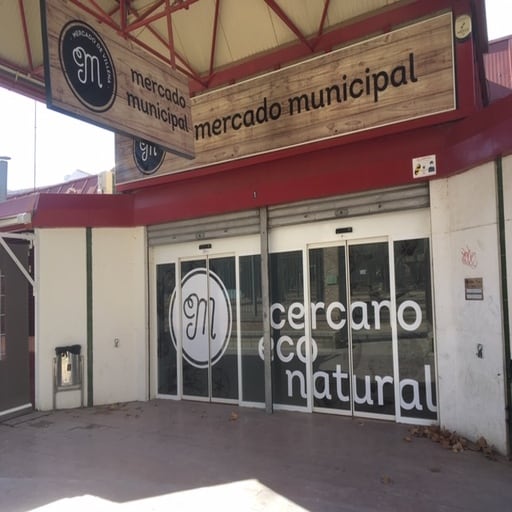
403, 75
122, 116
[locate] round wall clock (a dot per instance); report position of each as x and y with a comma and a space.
462, 26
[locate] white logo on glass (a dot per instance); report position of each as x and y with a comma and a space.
205, 318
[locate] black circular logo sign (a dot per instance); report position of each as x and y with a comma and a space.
87, 66
148, 156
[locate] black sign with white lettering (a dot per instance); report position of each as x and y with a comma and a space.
148, 156
87, 66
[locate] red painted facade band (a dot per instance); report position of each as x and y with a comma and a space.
462, 139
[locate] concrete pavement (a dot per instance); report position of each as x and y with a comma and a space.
167, 455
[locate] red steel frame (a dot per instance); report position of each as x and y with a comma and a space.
368, 164
378, 158
322, 41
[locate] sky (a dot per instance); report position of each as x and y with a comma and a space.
46, 147
62, 144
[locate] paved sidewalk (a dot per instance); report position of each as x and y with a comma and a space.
186, 456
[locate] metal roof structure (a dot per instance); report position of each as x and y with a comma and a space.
498, 62
220, 42
91, 184
213, 42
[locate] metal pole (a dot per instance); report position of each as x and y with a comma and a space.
17, 262
504, 298
265, 306
3, 177
35, 143
90, 360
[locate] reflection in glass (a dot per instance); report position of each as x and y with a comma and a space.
166, 352
224, 370
372, 345
251, 326
195, 379
329, 326
351, 335
208, 328
415, 329
287, 328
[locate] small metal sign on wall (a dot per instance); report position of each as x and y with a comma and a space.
474, 288
96, 75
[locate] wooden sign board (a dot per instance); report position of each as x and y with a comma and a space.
403, 75
96, 75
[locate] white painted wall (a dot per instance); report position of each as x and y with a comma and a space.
119, 311
507, 193
471, 389
60, 308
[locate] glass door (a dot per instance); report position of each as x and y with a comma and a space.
202, 316
372, 337
330, 334
287, 322
351, 338
351, 328
360, 363
415, 326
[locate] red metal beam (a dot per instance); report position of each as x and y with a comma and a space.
187, 70
170, 37
110, 22
36, 73
100, 9
382, 22
149, 10
289, 23
25, 34
123, 14
185, 4
323, 42
323, 18
103, 18
28, 89
214, 35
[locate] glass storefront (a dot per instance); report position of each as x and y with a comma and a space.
253, 382
351, 329
416, 361
351, 326
288, 329
167, 371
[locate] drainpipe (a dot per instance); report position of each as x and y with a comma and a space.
504, 298
4, 162
90, 360
265, 308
